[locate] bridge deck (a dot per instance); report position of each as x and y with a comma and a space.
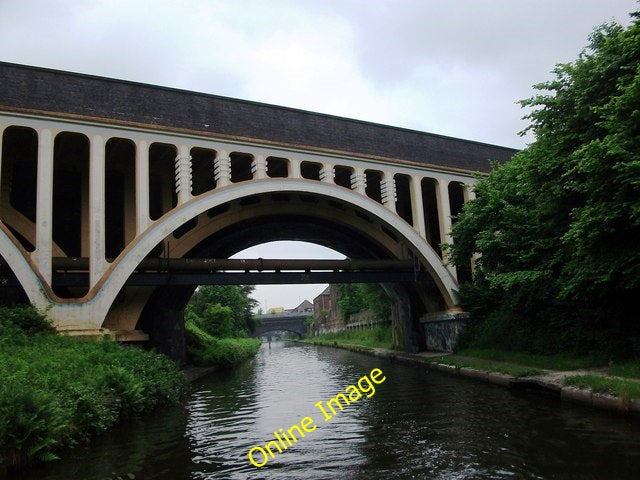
42, 90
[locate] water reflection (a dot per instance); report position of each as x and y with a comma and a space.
419, 424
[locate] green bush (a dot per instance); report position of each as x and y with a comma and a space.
25, 318
56, 391
205, 349
216, 320
556, 246
32, 423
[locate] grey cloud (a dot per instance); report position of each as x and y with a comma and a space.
524, 38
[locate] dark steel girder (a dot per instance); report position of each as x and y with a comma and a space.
79, 279
244, 264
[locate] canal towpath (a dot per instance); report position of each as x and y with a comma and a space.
534, 379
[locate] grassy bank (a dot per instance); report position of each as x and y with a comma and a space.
378, 337
516, 370
621, 380
547, 362
204, 349
521, 364
57, 391
620, 387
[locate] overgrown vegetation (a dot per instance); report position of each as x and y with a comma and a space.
548, 362
627, 369
223, 310
358, 297
557, 227
622, 388
206, 349
57, 391
488, 365
217, 320
377, 337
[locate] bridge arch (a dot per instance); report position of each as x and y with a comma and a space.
105, 292
31, 283
274, 330
292, 323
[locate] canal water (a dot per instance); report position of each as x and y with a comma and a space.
418, 424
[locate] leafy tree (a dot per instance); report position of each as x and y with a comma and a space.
558, 226
236, 298
216, 320
357, 297
349, 300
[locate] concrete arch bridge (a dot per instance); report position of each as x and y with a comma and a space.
114, 196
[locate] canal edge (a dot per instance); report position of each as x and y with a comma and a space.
193, 373
586, 397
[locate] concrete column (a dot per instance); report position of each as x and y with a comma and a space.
130, 208
5, 187
388, 191
142, 186
359, 181
85, 207
183, 174
417, 207
294, 168
222, 168
2, 129
327, 173
44, 205
97, 262
444, 219
259, 167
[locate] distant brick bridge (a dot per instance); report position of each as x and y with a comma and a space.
281, 322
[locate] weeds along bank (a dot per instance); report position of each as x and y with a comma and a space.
377, 337
57, 391
204, 349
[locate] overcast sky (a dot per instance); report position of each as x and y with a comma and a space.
452, 67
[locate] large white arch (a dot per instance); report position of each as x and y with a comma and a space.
100, 299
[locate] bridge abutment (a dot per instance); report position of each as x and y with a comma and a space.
163, 319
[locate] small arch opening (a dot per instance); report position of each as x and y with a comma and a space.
18, 184
310, 170
241, 167
71, 193
162, 191
374, 182
70, 202
277, 167
432, 224
403, 194
343, 176
202, 164
120, 188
